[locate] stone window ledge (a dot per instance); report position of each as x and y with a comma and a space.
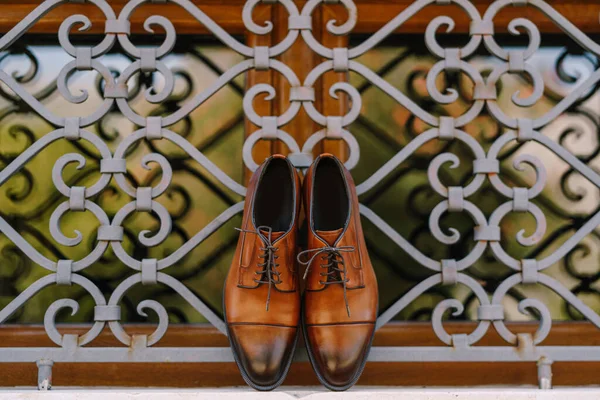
358, 393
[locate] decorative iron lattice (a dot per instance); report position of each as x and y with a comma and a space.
193, 198
405, 199
156, 128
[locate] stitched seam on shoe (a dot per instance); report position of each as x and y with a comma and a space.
256, 324
343, 323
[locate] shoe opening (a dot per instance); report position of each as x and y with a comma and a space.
274, 199
330, 205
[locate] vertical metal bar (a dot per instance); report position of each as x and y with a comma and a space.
330, 105
544, 366
44, 374
263, 148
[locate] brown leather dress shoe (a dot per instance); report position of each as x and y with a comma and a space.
262, 297
340, 298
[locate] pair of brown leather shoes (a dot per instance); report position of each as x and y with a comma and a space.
262, 300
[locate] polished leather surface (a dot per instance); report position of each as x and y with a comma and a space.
338, 343
262, 339
339, 350
264, 359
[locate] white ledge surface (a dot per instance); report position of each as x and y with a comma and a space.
289, 393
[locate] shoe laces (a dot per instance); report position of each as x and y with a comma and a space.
267, 272
335, 267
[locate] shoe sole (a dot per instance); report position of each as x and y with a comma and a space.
323, 381
243, 372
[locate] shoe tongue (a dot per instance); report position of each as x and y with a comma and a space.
274, 235
330, 236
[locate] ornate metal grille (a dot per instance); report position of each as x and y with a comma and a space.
405, 199
487, 235
193, 198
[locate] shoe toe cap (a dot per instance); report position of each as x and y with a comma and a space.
339, 352
263, 353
